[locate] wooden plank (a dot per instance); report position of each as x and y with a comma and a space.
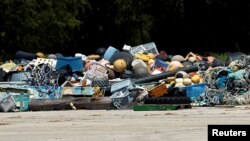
69, 103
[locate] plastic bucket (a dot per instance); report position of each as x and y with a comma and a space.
109, 53
137, 63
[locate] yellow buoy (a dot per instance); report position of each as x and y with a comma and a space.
40, 54
120, 65
196, 79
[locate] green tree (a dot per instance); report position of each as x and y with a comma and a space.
40, 25
134, 20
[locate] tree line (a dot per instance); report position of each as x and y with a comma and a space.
70, 26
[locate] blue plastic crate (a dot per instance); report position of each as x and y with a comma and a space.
196, 90
75, 63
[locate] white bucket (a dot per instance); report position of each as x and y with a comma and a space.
138, 63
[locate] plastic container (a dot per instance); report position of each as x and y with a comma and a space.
137, 63
126, 48
126, 84
88, 91
77, 91
121, 99
122, 95
22, 101
7, 103
151, 48
75, 63
196, 90
20, 76
145, 48
100, 82
137, 49
160, 63
97, 70
84, 57
109, 53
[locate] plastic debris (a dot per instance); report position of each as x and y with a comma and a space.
139, 74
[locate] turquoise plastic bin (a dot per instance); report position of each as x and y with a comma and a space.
22, 101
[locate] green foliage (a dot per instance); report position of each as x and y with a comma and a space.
221, 56
70, 26
40, 25
134, 16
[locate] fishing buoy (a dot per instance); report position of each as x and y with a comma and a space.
196, 79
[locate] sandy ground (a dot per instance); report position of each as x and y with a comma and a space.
115, 125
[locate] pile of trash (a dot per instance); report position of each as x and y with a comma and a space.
229, 84
133, 75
